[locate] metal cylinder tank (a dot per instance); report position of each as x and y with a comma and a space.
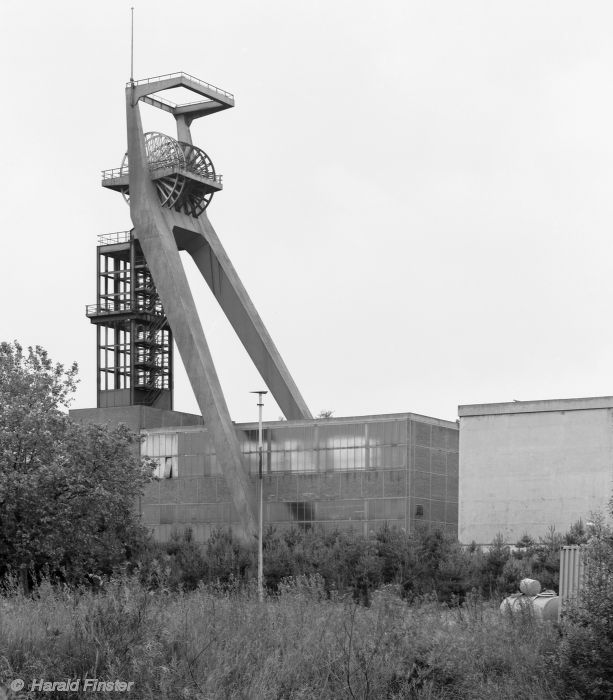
545, 606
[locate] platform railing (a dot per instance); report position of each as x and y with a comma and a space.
113, 173
182, 74
163, 100
155, 97
120, 307
113, 238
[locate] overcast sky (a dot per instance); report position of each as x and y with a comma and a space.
417, 195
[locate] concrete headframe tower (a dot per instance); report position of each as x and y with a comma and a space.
169, 183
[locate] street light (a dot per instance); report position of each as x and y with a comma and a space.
261, 498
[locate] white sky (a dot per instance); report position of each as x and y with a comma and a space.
417, 194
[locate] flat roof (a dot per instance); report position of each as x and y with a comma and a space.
540, 406
303, 422
355, 419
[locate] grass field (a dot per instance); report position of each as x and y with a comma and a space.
300, 643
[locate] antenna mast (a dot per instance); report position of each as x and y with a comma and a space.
132, 47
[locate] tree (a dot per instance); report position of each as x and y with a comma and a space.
493, 566
67, 491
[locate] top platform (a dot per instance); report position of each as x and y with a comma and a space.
215, 100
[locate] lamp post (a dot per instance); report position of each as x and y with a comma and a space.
261, 499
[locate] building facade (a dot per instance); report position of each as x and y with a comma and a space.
528, 465
338, 473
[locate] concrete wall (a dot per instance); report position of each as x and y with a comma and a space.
135, 417
525, 466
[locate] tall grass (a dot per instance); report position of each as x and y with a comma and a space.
219, 642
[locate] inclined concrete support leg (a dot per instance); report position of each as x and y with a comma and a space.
219, 273
160, 250
199, 239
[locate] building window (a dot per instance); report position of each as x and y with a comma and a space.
170, 469
163, 448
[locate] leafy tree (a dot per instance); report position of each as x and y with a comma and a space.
67, 491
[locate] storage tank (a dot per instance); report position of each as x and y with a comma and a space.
545, 604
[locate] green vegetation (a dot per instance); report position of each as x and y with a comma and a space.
158, 624
299, 644
418, 564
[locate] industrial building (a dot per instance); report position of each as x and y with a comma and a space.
528, 465
340, 473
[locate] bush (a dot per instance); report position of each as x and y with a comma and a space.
586, 652
419, 564
184, 564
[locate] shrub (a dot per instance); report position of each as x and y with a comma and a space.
226, 558
494, 562
419, 564
586, 652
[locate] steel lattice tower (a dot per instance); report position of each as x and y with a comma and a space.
134, 340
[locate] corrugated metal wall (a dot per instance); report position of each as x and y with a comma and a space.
572, 568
